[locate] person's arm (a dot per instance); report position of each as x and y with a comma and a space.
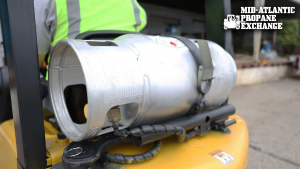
43, 28
41, 60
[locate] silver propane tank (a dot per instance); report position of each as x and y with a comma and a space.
150, 78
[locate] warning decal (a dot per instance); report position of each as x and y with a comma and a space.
222, 156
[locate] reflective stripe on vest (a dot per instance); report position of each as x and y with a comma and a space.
79, 16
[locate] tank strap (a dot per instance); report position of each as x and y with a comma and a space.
203, 61
205, 71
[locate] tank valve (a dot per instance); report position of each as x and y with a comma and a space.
114, 116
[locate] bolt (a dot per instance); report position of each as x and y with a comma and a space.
52, 119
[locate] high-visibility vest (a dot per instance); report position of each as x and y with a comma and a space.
78, 16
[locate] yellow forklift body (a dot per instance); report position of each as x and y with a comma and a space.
198, 152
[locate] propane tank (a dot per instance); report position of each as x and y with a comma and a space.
150, 78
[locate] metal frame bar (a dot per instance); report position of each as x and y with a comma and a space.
20, 43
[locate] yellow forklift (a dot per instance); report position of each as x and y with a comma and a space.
118, 100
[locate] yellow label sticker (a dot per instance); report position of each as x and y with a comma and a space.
222, 156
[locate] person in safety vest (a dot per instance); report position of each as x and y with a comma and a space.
66, 19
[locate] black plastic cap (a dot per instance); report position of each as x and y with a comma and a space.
61, 136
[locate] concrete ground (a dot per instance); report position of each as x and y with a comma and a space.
272, 113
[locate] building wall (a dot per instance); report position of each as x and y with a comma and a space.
191, 24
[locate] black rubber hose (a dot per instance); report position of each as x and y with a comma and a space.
148, 130
154, 130
127, 159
